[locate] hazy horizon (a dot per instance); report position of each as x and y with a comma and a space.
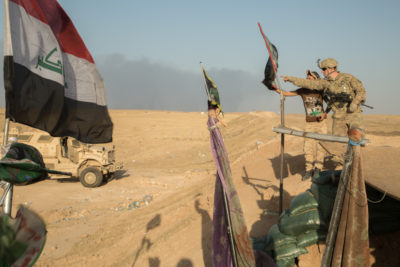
148, 55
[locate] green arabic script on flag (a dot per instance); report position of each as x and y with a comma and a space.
212, 92
51, 80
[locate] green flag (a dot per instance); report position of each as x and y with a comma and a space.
212, 92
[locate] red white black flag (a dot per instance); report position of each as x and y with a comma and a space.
50, 78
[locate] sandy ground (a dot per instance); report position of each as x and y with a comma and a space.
167, 156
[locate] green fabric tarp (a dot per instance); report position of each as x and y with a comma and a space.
21, 239
22, 164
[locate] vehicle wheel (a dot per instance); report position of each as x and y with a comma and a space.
91, 177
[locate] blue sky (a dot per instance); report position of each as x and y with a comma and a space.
148, 52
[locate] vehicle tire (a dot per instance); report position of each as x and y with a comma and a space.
91, 177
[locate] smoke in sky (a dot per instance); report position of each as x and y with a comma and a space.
141, 84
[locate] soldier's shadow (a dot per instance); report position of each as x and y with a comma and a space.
270, 207
291, 165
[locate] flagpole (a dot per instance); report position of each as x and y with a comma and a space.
7, 51
226, 206
282, 104
9, 193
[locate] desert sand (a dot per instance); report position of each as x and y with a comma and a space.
167, 156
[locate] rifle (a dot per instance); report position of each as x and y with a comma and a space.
342, 97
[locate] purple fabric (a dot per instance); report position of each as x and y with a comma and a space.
224, 184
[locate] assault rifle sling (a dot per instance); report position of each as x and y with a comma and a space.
342, 97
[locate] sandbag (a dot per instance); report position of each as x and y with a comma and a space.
302, 202
311, 237
289, 252
285, 263
277, 239
298, 224
326, 177
282, 246
325, 196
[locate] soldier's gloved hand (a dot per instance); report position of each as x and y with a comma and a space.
353, 107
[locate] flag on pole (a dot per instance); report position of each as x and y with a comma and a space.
51, 80
212, 92
230, 212
231, 246
272, 64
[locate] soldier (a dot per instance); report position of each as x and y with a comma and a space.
345, 93
315, 122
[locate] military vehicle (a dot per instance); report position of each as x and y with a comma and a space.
92, 163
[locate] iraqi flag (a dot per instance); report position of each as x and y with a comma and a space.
50, 78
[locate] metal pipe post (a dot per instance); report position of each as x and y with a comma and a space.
7, 205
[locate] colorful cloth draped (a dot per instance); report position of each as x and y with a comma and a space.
222, 255
23, 163
352, 242
21, 239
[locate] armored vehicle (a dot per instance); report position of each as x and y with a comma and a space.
92, 163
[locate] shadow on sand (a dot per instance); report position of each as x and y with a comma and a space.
186, 263
291, 165
206, 234
146, 243
270, 207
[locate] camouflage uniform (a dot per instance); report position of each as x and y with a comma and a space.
346, 83
313, 152
343, 119
313, 104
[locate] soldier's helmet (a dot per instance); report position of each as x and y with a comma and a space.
328, 63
